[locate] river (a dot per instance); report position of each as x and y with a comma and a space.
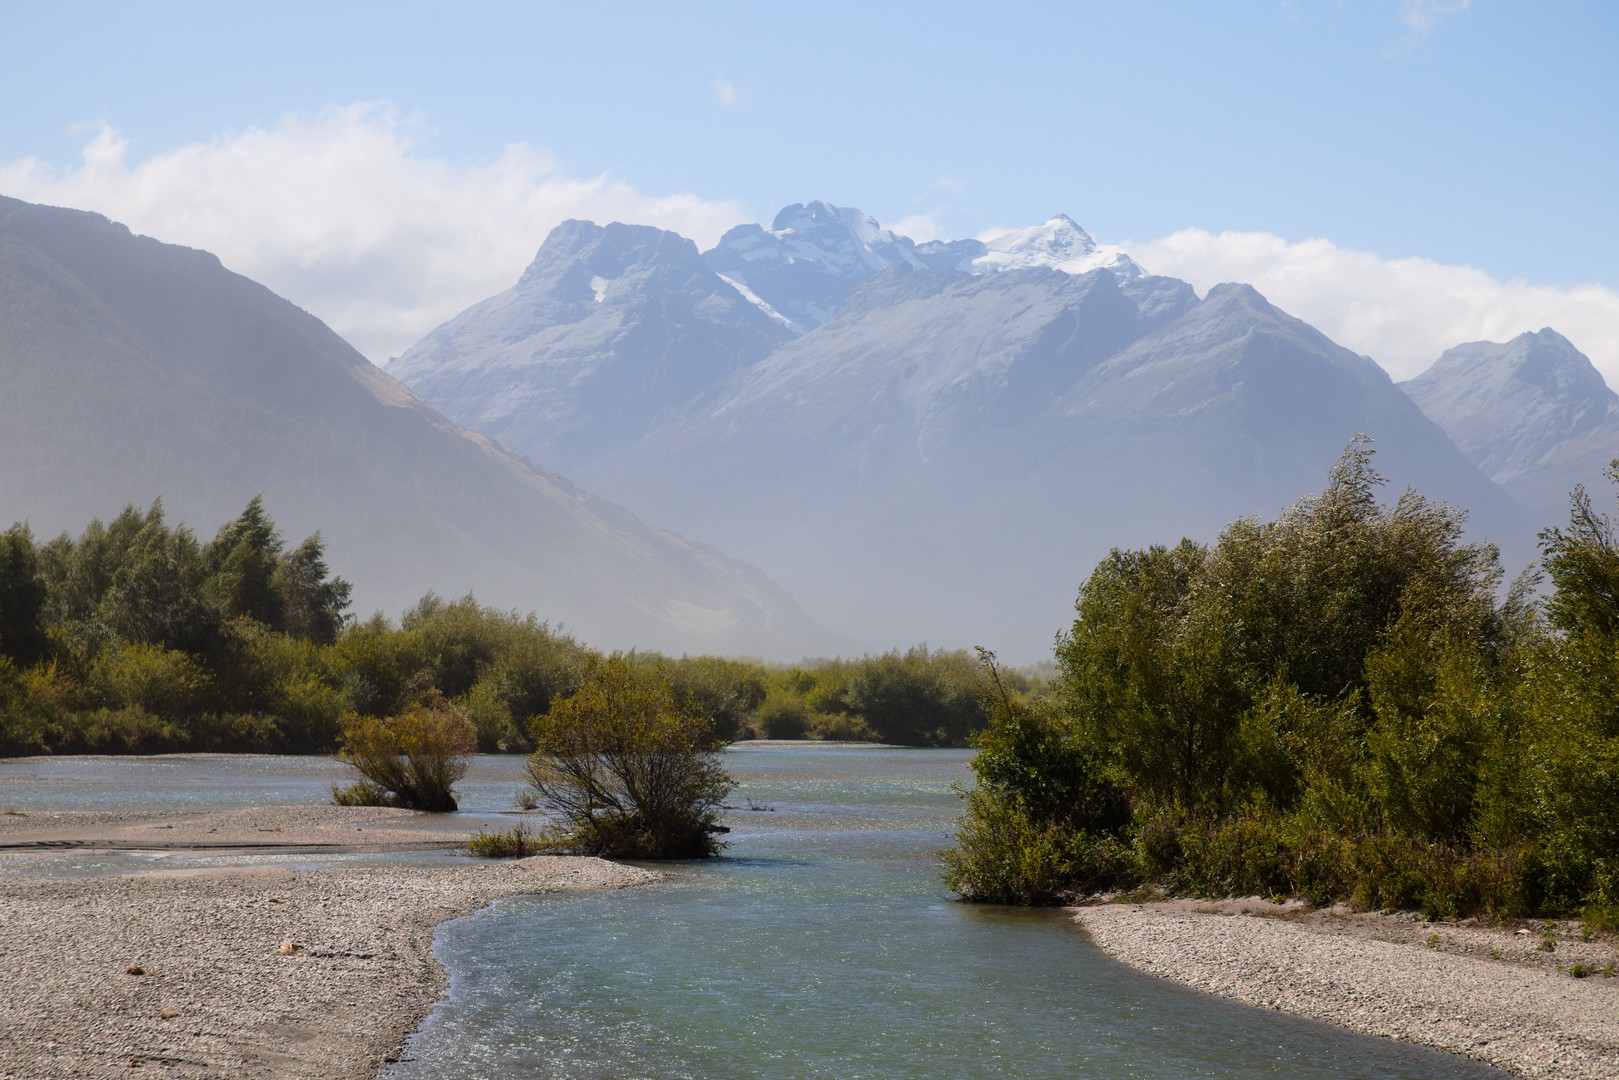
821, 945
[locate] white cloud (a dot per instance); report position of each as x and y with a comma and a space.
1421, 18
1425, 16
341, 214
919, 227
726, 92
1401, 312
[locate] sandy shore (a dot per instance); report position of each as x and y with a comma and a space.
1493, 994
215, 993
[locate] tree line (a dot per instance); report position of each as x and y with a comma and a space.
138, 637
1339, 704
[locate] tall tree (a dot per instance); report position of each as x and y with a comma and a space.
242, 562
312, 602
22, 597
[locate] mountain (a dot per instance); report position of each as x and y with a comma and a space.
1058, 243
135, 370
809, 259
1533, 413
948, 456
949, 435
605, 328
814, 254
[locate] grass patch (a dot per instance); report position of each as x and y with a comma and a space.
511, 844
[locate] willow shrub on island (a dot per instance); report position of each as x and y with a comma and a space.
631, 766
412, 760
1334, 705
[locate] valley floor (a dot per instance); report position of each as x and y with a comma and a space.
257, 971
1494, 994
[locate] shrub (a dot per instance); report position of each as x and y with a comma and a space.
150, 678
782, 715
362, 793
840, 727
513, 844
415, 758
631, 767
918, 698
1005, 855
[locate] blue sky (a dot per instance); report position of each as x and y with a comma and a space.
1452, 145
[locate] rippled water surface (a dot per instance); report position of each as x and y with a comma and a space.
824, 945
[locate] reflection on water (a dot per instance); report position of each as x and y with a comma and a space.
823, 945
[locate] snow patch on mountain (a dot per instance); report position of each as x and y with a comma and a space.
753, 298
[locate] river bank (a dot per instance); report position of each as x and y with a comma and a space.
257, 971
1493, 994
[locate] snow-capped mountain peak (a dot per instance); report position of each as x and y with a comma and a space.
842, 236
1058, 243
807, 261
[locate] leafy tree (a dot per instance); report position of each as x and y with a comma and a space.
155, 590
312, 602
1583, 563
412, 760
22, 598
728, 692
1333, 703
1146, 681
242, 562
1044, 818
917, 698
631, 766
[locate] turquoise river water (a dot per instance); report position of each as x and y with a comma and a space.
821, 945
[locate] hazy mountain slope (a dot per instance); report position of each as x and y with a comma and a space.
135, 369
1534, 413
948, 456
605, 328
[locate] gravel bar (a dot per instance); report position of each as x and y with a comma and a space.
249, 972
1499, 995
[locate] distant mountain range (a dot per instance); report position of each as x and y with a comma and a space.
134, 370
922, 442
925, 441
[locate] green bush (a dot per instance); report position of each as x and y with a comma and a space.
782, 715
631, 767
514, 843
414, 758
1005, 855
840, 727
